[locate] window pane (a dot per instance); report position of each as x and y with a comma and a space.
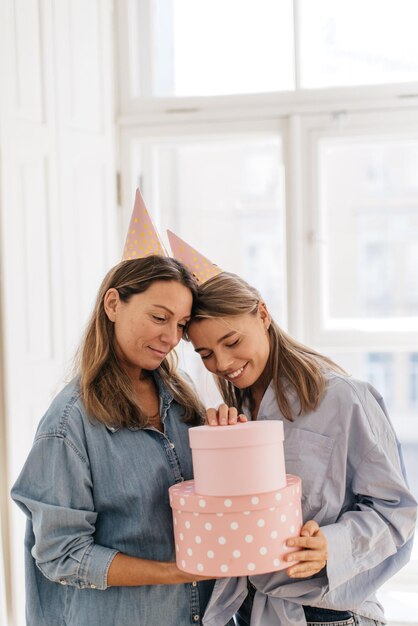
212, 47
369, 222
413, 379
224, 196
357, 42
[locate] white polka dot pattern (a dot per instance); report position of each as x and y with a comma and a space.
234, 536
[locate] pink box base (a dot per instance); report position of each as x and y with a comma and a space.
238, 535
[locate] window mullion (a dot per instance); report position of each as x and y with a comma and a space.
296, 43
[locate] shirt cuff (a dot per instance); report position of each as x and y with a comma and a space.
94, 566
339, 567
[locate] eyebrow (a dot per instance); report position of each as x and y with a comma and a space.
161, 306
219, 340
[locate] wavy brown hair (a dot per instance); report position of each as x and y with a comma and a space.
290, 362
106, 389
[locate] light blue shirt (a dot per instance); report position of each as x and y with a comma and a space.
353, 483
89, 491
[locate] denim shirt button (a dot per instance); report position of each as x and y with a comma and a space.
172, 446
194, 584
92, 586
195, 618
62, 581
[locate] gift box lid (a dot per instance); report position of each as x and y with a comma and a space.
258, 433
184, 498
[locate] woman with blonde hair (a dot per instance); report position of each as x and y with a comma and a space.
99, 543
358, 511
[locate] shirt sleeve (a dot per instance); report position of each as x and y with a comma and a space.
383, 517
55, 491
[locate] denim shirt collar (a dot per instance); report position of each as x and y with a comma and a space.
166, 398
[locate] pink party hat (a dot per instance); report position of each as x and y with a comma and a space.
201, 268
142, 239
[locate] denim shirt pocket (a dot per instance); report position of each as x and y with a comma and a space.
308, 455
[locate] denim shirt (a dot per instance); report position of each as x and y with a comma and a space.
90, 491
353, 484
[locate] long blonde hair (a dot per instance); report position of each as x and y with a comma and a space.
106, 389
290, 362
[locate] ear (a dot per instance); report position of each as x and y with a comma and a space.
264, 314
110, 303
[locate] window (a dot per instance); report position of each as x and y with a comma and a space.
413, 378
379, 372
238, 222
240, 123
361, 42
261, 31
362, 210
369, 214
183, 48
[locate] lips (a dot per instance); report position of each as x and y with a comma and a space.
159, 353
232, 376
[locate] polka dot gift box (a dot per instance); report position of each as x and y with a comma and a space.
243, 531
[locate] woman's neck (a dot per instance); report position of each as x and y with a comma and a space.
258, 389
148, 400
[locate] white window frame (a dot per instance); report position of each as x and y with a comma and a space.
133, 131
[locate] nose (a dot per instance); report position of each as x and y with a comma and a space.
171, 334
223, 362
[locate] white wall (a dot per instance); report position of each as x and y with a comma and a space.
58, 213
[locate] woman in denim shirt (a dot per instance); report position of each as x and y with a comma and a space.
338, 439
99, 541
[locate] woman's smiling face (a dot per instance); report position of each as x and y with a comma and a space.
235, 348
149, 325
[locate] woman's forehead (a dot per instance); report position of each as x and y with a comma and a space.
169, 294
217, 326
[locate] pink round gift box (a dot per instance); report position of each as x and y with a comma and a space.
221, 454
234, 536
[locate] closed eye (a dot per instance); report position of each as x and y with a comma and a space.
159, 319
231, 345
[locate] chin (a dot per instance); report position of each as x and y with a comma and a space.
152, 365
155, 366
245, 383
239, 384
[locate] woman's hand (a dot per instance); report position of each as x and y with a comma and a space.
313, 553
224, 415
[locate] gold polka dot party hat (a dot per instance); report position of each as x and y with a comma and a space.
142, 239
201, 268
